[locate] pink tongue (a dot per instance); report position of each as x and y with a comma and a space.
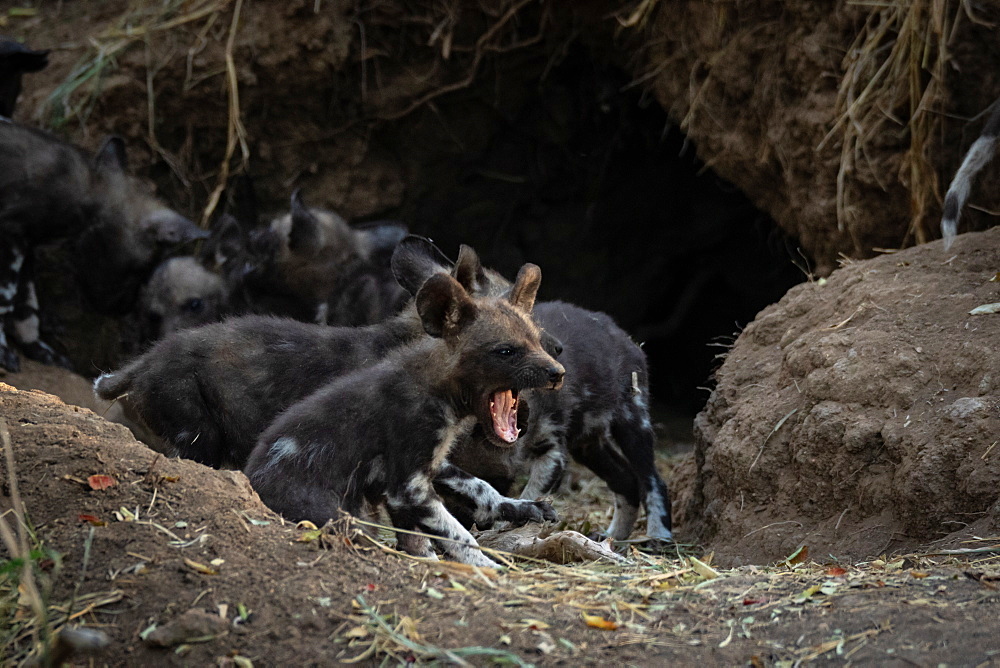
505, 416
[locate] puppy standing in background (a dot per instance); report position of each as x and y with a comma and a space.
384, 432
50, 190
979, 155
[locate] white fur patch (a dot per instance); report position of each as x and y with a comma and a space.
460, 546
624, 518
26, 331
655, 511
32, 299
286, 446
542, 470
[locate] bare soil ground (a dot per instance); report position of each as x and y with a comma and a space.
176, 554
859, 414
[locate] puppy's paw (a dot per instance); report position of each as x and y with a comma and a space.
43, 352
519, 512
9, 360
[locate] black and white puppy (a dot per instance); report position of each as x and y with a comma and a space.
382, 433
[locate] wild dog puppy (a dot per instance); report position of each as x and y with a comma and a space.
16, 60
979, 155
600, 417
381, 434
312, 266
210, 391
367, 292
181, 293
51, 190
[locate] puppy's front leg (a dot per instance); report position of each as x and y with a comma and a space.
474, 501
418, 506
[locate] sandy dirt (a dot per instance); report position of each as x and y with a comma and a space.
860, 414
175, 553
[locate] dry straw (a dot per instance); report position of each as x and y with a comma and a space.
893, 85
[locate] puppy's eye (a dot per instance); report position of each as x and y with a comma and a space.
504, 351
194, 305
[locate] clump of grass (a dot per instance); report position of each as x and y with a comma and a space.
32, 630
893, 84
76, 96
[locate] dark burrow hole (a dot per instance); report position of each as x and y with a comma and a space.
588, 178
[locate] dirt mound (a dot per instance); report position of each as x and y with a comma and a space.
181, 565
858, 414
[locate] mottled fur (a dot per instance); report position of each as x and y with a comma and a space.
208, 392
600, 418
51, 190
180, 293
979, 155
406, 412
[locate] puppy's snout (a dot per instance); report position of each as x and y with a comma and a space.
556, 373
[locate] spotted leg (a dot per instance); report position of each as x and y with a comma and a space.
26, 320
546, 453
415, 505
474, 501
12, 254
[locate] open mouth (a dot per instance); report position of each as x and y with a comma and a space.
503, 406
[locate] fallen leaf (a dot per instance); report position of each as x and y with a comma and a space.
306, 524
96, 521
703, 569
836, 571
920, 575
986, 308
598, 622
200, 568
535, 624
996, 278
808, 593
310, 536
99, 482
798, 556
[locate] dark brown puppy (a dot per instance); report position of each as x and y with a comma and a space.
50, 190
210, 391
382, 433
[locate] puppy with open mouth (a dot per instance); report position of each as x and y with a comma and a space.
382, 434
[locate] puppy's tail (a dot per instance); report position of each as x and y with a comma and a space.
110, 386
980, 153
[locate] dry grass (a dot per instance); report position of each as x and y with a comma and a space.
75, 98
893, 84
33, 631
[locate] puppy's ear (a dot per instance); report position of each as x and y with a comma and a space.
522, 295
444, 306
226, 242
305, 235
416, 259
111, 155
551, 345
468, 270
